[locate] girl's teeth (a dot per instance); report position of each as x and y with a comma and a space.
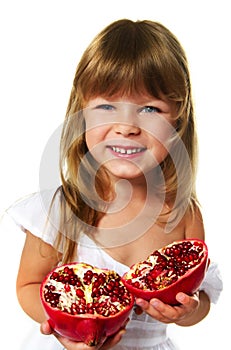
126, 151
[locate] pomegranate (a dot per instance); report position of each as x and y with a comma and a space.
177, 267
85, 303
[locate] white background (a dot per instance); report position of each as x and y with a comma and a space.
41, 43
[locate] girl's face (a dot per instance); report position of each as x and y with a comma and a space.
130, 135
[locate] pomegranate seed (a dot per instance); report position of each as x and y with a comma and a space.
67, 287
79, 293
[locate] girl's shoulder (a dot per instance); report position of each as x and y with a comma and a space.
193, 223
187, 223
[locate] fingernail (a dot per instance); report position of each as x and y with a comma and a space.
140, 302
180, 297
155, 303
122, 332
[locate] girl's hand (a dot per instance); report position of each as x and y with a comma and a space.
71, 345
171, 314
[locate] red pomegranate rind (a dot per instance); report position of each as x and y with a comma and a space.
178, 267
84, 303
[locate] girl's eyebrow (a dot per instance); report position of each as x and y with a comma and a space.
160, 103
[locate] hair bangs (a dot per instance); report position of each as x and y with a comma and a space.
122, 78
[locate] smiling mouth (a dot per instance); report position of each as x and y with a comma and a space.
127, 150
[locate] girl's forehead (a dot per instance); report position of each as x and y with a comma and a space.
134, 96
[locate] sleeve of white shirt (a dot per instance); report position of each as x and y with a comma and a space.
33, 214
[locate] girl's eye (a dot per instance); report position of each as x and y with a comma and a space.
105, 107
149, 109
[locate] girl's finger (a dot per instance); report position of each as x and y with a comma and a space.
71, 345
112, 341
45, 328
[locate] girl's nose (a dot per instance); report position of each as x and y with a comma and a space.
126, 129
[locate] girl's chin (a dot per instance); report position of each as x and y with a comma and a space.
128, 173
124, 169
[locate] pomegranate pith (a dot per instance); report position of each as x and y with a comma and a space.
178, 267
85, 303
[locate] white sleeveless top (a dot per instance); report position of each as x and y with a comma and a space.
142, 331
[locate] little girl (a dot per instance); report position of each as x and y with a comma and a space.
128, 155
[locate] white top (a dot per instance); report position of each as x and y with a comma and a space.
143, 332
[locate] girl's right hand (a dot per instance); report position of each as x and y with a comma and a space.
71, 345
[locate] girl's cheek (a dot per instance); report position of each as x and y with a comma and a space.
159, 128
90, 139
95, 136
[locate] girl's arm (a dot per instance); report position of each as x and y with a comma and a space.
193, 308
38, 258
194, 228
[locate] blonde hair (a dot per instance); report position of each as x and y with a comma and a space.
126, 57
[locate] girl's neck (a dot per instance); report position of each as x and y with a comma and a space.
128, 191
134, 210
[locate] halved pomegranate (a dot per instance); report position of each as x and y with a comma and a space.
178, 267
85, 303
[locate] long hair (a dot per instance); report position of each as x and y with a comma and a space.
126, 57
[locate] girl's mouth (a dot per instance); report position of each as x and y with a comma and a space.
126, 151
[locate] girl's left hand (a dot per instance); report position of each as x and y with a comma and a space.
109, 343
170, 314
